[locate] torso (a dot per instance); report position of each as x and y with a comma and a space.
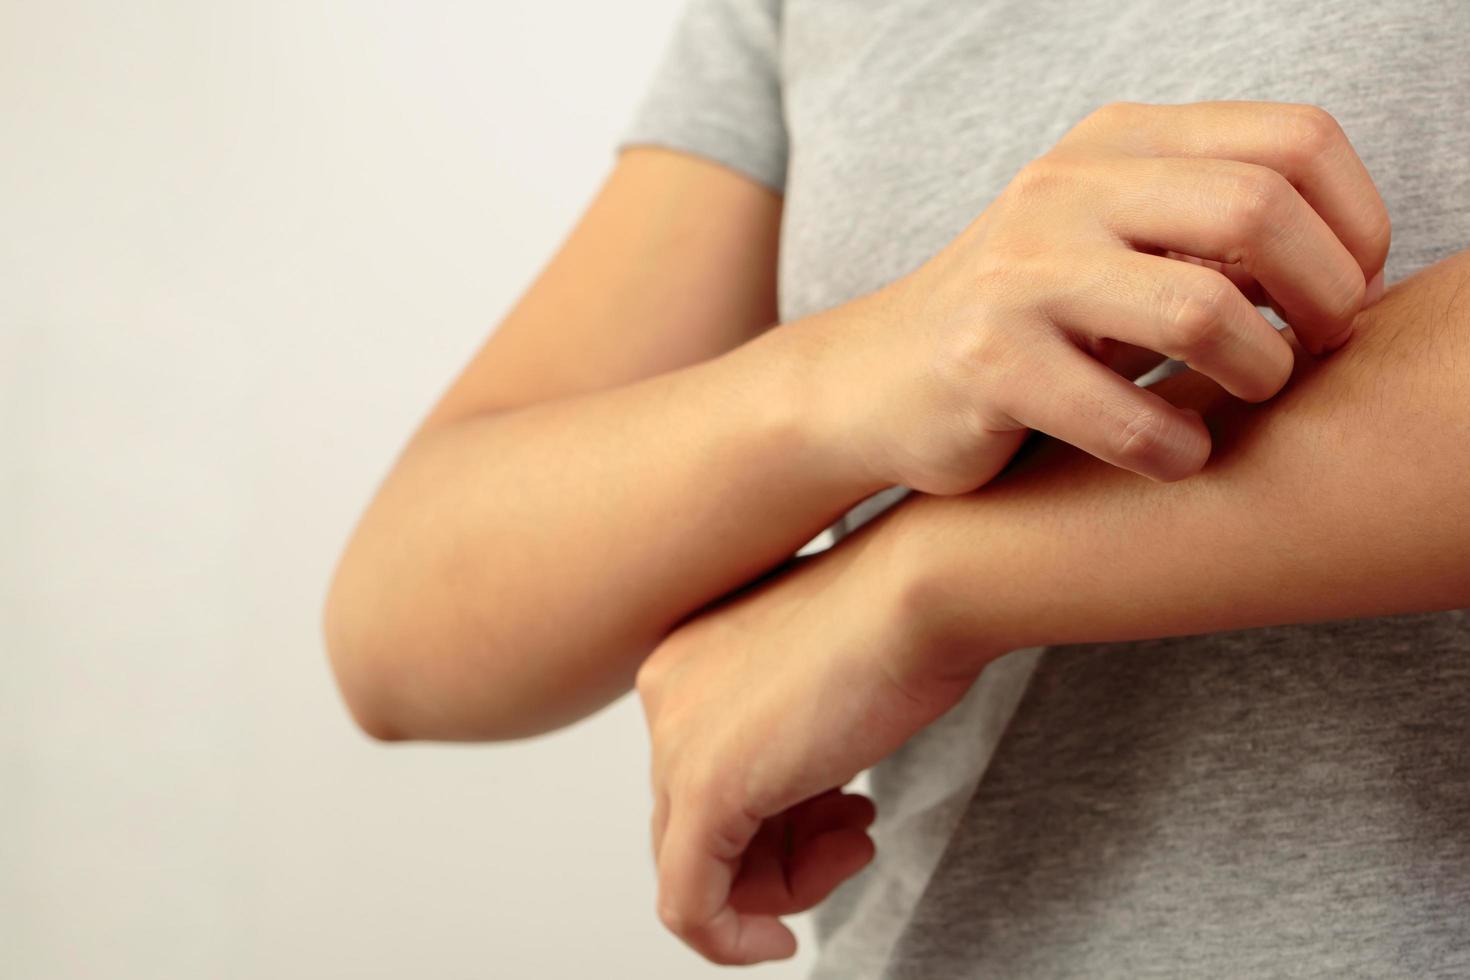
1282, 802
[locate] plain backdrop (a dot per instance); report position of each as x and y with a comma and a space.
243, 246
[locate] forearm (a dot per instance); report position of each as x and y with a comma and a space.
515, 568
1344, 496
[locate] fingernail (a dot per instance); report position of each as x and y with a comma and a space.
1189, 457
1202, 424
1336, 342
1375, 289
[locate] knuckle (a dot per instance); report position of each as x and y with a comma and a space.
1044, 176
1034, 177
674, 918
996, 277
1255, 199
1379, 235
1313, 131
1195, 316
1114, 115
651, 680
1005, 278
1139, 438
647, 679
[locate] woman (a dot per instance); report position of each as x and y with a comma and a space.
961, 247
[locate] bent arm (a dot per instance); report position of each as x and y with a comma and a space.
1345, 496
620, 453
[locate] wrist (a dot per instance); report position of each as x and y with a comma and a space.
837, 371
778, 417
926, 601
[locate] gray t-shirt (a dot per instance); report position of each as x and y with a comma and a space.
1284, 802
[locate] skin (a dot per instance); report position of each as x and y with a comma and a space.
1078, 257
633, 402
1304, 513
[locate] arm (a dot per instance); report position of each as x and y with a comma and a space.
1345, 496
613, 458
613, 461
1342, 497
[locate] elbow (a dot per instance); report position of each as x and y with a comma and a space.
398, 691
374, 726
369, 720
405, 673
360, 672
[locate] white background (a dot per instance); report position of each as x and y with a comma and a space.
242, 248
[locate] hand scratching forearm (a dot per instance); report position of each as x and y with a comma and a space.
1345, 496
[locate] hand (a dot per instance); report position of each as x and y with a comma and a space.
1146, 228
759, 711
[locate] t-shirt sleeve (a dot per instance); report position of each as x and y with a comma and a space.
717, 91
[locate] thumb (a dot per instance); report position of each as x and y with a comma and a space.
697, 865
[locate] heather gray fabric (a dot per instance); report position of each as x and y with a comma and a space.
1278, 803
1290, 802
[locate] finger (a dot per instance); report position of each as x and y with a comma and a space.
1303, 143
825, 862
1243, 280
1187, 311
803, 881
761, 885
1127, 359
1242, 213
777, 875
833, 810
697, 866
1377, 286
1091, 407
